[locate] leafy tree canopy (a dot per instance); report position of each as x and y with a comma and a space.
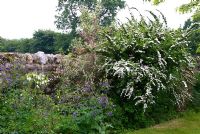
43, 40
68, 11
191, 6
194, 37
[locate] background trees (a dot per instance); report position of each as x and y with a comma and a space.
191, 6
194, 37
43, 40
68, 12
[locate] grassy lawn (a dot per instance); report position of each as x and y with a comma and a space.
188, 124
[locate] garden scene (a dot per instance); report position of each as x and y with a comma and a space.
104, 76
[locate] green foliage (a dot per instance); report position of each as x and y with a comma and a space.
155, 2
25, 108
90, 106
28, 110
88, 116
190, 6
147, 58
43, 40
68, 17
15, 45
50, 42
194, 37
145, 61
194, 104
21, 113
139, 75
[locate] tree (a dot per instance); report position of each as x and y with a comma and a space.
2, 44
25, 45
44, 41
194, 37
192, 6
68, 12
10, 45
62, 42
51, 42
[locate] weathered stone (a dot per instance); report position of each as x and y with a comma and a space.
51, 58
39, 61
29, 58
42, 57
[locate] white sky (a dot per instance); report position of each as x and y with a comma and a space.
168, 8
20, 18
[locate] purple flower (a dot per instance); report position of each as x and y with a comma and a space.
104, 91
103, 101
104, 84
74, 114
87, 88
110, 113
7, 68
8, 79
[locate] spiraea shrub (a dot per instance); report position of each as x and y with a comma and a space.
148, 67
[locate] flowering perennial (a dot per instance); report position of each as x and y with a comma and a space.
38, 79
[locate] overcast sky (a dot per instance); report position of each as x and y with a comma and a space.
20, 18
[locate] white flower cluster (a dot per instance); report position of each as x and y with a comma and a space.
38, 79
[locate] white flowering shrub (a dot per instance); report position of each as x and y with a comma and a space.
38, 79
143, 58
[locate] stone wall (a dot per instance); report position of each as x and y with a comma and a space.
49, 64
38, 62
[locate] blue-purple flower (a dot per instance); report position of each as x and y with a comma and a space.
104, 84
87, 88
110, 113
103, 101
74, 114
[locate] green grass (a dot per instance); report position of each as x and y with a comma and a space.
188, 124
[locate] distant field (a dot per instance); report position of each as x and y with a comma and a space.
189, 124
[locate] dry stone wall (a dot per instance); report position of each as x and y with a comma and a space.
49, 64
39, 62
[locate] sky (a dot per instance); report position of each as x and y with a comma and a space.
21, 18
168, 8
